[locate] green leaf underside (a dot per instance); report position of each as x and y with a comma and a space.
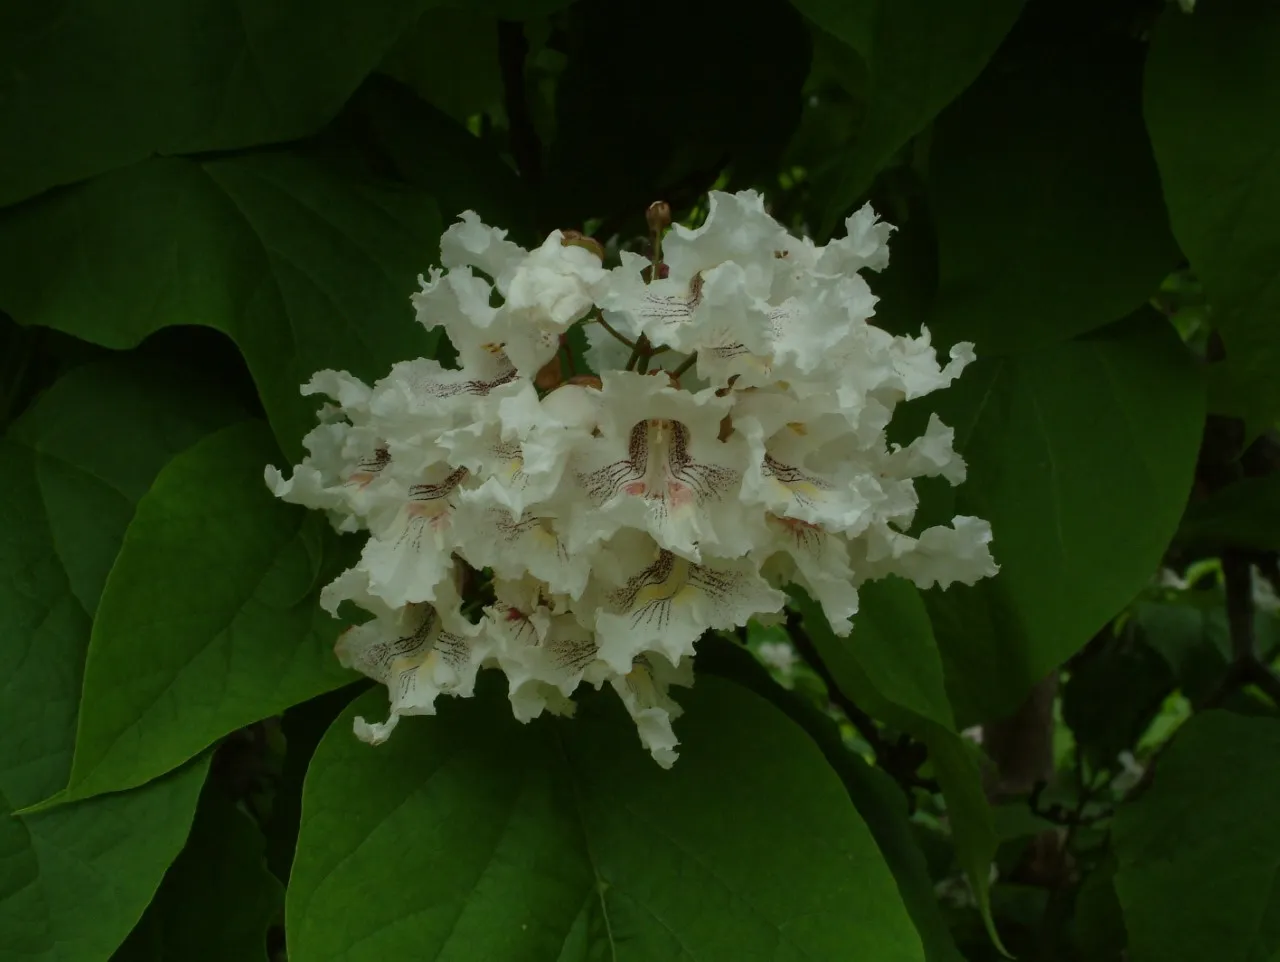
1210, 93
75, 465
302, 269
1080, 456
210, 617
562, 840
75, 879
1199, 852
126, 79
217, 899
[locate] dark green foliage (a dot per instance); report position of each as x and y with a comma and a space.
201, 203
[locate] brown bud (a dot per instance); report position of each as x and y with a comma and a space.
548, 378
726, 428
575, 238
658, 216
586, 380
647, 273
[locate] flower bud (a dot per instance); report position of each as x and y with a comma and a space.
548, 377
658, 216
575, 238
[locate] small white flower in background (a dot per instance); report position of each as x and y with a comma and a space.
1130, 774
731, 441
1264, 592
957, 890
778, 655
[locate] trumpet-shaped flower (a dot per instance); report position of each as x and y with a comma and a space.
729, 441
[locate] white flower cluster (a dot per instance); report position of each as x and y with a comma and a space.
622, 515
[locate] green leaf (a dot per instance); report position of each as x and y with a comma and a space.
217, 899
449, 58
1210, 95
884, 808
302, 726
1054, 225
1081, 455
510, 9
91, 85
563, 840
1099, 920
1244, 514
75, 879
433, 152
302, 268
893, 642
921, 54
75, 465
210, 618
889, 667
1197, 875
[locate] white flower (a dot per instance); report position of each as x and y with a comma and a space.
418, 651
619, 517
666, 602
658, 465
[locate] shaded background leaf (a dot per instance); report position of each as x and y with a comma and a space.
76, 463
304, 269
210, 619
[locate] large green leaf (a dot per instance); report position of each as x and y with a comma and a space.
74, 880
76, 463
563, 840
91, 85
1053, 225
1081, 456
210, 617
449, 58
890, 667
1210, 96
921, 54
432, 151
217, 899
302, 268
1199, 852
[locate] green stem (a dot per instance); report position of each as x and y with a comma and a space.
687, 363
608, 327
640, 352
